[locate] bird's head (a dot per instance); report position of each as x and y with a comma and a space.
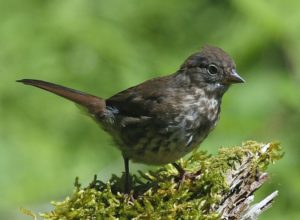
211, 67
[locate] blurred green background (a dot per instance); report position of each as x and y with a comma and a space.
102, 47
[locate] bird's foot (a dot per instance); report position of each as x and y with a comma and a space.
183, 174
129, 198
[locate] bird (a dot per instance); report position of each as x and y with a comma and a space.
162, 119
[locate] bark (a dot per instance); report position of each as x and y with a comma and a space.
243, 182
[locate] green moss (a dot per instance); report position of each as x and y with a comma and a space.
159, 194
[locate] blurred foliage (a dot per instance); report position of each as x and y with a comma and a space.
161, 195
102, 47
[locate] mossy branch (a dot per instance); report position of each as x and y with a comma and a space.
221, 187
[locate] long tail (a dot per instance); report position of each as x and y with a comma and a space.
93, 104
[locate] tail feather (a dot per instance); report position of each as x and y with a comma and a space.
93, 104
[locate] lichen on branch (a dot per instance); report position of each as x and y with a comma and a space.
220, 187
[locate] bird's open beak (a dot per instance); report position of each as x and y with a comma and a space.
234, 77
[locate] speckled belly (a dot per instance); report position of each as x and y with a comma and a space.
170, 143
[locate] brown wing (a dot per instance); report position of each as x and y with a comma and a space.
144, 110
150, 99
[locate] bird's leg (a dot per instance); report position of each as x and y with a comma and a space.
181, 171
127, 179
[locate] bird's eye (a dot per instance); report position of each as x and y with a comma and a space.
213, 69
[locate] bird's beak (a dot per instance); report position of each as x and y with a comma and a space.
234, 77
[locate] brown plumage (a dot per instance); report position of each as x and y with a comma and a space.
162, 119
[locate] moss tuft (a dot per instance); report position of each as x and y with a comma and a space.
159, 194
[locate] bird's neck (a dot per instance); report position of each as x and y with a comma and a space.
215, 89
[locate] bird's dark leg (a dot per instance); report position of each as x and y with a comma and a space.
180, 170
127, 180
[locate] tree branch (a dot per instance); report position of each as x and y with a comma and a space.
217, 187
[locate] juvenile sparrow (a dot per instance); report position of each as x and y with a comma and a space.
162, 119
